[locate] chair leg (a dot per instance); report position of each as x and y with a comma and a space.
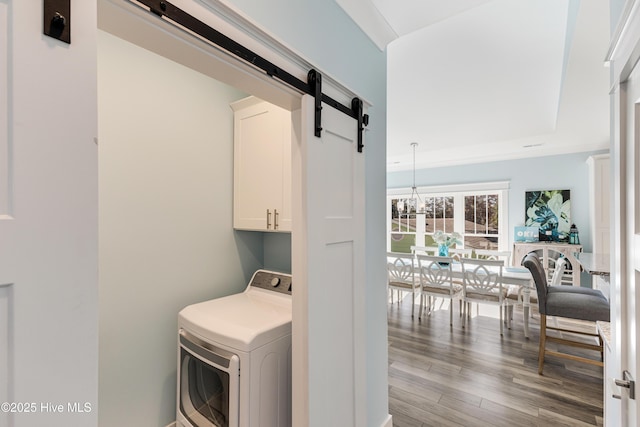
602, 348
421, 306
451, 312
413, 302
543, 339
508, 315
501, 319
463, 312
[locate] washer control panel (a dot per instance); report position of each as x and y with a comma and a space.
270, 280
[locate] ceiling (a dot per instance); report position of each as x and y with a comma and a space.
479, 80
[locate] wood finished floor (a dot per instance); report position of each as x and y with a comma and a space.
441, 375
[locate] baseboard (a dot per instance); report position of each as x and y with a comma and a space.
387, 423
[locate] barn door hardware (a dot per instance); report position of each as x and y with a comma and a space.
57, 19
315, 82
363, 120
313, 85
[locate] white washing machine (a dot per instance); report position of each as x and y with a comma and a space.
234, 357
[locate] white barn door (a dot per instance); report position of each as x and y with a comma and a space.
328, 270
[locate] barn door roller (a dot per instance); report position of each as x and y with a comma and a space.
315, 82
313, 85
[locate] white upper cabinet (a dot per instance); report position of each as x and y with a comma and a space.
262, 166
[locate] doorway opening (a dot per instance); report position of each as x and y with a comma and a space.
166, 195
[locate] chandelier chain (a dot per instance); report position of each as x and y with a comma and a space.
414, 189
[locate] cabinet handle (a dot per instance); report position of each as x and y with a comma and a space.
268, 219
275, 219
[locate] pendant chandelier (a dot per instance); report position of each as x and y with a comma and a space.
414, 201
414, 190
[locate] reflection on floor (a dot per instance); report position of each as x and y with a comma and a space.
441, 375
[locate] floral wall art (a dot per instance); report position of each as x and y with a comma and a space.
550, 210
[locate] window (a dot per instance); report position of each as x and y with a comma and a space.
481, 225
403, 224
439, 214
476, 211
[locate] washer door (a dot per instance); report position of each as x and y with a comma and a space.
208, 381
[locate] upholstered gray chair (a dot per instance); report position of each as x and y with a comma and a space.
570, 302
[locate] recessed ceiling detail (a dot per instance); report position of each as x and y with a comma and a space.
480, 79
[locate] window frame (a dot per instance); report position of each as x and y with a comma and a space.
458, 192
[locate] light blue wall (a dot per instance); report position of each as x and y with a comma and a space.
329, 39
564, 172
326, 36
616, 6
277, 251
166, 237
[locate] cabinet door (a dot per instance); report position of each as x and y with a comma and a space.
260, 131
519, 252
549, 253
284, 212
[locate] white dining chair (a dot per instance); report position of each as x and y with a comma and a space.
556, 279
491, 255
436, 281
458, 253
559, 269
401, 277
483, 285
515, 292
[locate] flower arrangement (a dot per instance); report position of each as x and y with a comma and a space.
441, 238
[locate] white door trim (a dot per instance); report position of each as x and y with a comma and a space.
623, 52
623, 57
5, 161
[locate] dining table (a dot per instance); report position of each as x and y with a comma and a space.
597, 265
519, 277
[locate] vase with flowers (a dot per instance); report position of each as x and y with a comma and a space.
445, 241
